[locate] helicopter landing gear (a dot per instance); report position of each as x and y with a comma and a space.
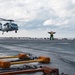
15, 31
2, 33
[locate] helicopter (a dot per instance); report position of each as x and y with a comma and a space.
9, 26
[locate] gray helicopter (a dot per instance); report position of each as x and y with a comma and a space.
9, 26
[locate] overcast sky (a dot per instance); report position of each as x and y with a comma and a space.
36, 17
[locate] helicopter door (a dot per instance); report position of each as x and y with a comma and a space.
0, 26
7, 25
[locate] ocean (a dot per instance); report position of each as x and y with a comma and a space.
61, 52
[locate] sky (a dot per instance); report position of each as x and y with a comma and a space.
36, 18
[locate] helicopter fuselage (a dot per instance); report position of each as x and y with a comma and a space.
10, 27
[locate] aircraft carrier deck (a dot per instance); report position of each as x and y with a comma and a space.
61, 52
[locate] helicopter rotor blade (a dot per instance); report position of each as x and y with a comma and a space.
9, 20
2, 19
17, 20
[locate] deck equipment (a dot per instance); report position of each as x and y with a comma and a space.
7, 64
20, 56
45, 69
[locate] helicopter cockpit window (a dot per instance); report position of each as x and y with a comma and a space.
14, 24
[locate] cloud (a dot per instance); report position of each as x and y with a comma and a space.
34, 9
55, 22
39, 15
49, 22
73, 1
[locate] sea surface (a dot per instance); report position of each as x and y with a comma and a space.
61, 52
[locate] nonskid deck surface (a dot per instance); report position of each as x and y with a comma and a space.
61, 52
